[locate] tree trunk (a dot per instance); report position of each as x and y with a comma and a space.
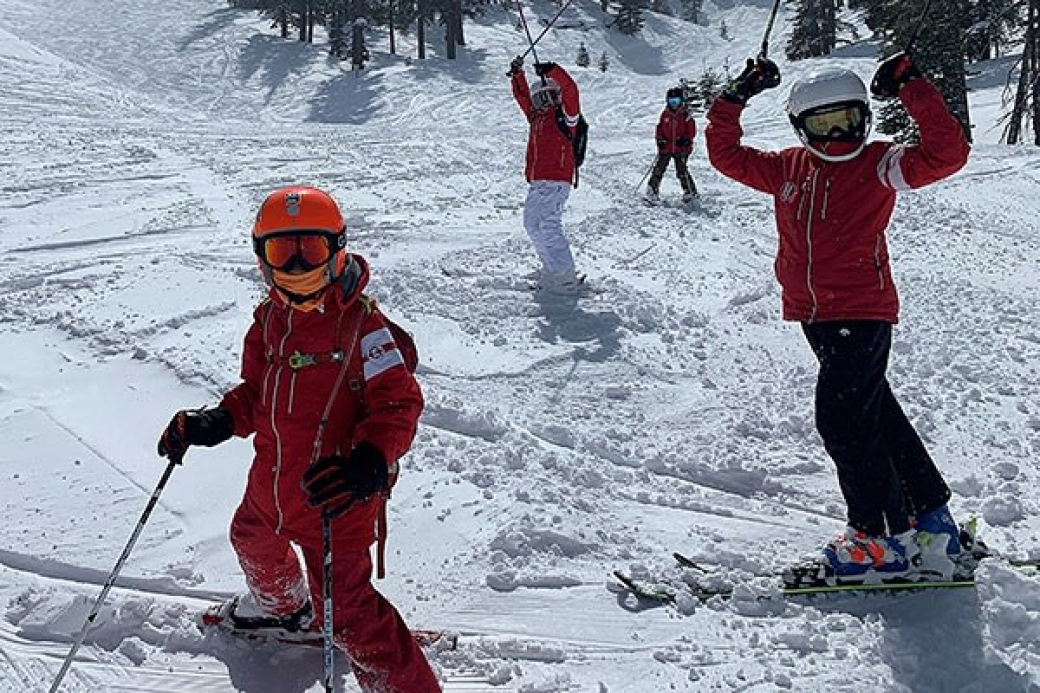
1027, 96
450, 26
420, 36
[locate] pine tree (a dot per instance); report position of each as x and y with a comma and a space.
629, 19
604, 62
815, 29
358, 51
992, 26
583, 59
938, 53
710, 84
724, 31
662, 7
1027, 98
692, 11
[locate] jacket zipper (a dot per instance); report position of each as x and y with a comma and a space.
274, 426
809, 247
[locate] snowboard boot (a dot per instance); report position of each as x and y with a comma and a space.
652, 197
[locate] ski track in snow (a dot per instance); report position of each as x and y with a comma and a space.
670, 410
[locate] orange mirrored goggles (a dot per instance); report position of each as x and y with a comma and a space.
298, 249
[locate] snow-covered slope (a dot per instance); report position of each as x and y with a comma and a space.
670, 411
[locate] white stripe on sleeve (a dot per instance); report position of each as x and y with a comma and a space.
890, 171
378, 353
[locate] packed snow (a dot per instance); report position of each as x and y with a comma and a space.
670, 410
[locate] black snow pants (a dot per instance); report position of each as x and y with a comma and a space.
884, 471
682, 172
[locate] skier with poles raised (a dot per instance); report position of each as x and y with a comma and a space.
331, 406
552, 109
674, 134
834, 197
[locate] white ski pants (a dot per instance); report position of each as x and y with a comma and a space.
543, 220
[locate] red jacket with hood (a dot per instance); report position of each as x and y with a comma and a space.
550, 154
832, 259
282, 399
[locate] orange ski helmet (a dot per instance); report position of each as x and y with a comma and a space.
298, 208
300, 228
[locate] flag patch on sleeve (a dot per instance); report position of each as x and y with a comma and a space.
378, 353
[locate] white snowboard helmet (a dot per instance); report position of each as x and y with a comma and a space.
830, 111
546, 93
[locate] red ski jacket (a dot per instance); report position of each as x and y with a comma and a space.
677, 128
294, 375
832, 258
550, 154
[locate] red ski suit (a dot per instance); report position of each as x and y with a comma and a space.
550, 155
294, 376
832, 260
676, 125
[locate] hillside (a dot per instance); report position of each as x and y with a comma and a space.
670, 411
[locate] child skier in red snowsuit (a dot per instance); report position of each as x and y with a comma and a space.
674, 133
833, 198
551, 107
331, 407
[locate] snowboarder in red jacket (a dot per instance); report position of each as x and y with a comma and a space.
552, 108
833, 199
675, 132
331, 407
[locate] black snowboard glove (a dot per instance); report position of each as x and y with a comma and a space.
758, 75
515, 65
683, 142
335, 483
892, 74
542, 69
207, 427
662, 144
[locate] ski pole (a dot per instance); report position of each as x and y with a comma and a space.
527, 30
548, 26
912, 43
654, 163
328, 669
763, 53
174, 461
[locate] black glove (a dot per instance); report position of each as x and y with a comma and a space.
188, 427
335, 483
542, 69
892, 74
683, 142
515, 65
758, 75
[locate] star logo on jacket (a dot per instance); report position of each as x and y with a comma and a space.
376, 353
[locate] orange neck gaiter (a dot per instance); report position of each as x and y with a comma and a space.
303, 292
